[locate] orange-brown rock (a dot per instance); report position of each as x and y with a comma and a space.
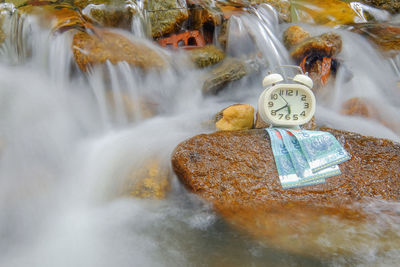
328, 45
294, 35
235, 171
393, 6
359, 107
235, 117
328, 13
386, 36
97, 48
59, 17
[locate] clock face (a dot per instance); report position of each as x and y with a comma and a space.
287, 105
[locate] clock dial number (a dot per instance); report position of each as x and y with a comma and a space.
289, 92
274, 96
287, 117
273, 112
303, 97
306, 105
270, 104
303, 114
295, 117
280, 115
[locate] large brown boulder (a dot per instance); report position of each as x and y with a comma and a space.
236, 172
97, 48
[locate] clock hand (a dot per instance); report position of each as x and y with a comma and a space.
284, 100
281, 108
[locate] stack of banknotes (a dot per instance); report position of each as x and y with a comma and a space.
305, 157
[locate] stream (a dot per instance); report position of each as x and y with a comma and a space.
64, 150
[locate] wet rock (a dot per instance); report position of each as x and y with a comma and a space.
281, 6
235, 117
166, 16
206, 56
393, 6
385, 35
108, 13
260, 124
133, 109
202, 12
94, 49
328, 45
152, 180
294, 35
359, 107
2, 34
59, 17
235, 171
315, 56
329, 13
229, 70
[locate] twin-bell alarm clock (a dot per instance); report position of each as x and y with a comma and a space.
287, 104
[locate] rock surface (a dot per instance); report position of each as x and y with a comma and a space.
94, 49
386, 36
166, 16
328, 13
108, 13
327, 44
393, 6
235, 171
294, 35
229, 70
235, 117
206, 56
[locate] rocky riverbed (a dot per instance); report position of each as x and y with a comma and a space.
134, 124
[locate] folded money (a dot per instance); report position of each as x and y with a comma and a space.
321, 149
300, 163
286, 170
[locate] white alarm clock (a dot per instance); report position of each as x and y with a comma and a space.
286, 104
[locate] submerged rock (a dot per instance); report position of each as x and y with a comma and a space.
108, 13
235, 117
386, 36
236, 172
229, 70
206, 56
152, 180
58, 17
97, 48
393, 6
166, 16
328, 13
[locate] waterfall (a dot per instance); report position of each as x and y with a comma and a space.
70, 140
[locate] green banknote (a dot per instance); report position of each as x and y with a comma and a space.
300, 162
286, 171
321, 149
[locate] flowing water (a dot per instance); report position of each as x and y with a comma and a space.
65, 146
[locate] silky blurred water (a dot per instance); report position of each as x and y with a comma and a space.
64, 146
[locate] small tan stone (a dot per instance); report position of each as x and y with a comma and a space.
294, 35
235, 117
